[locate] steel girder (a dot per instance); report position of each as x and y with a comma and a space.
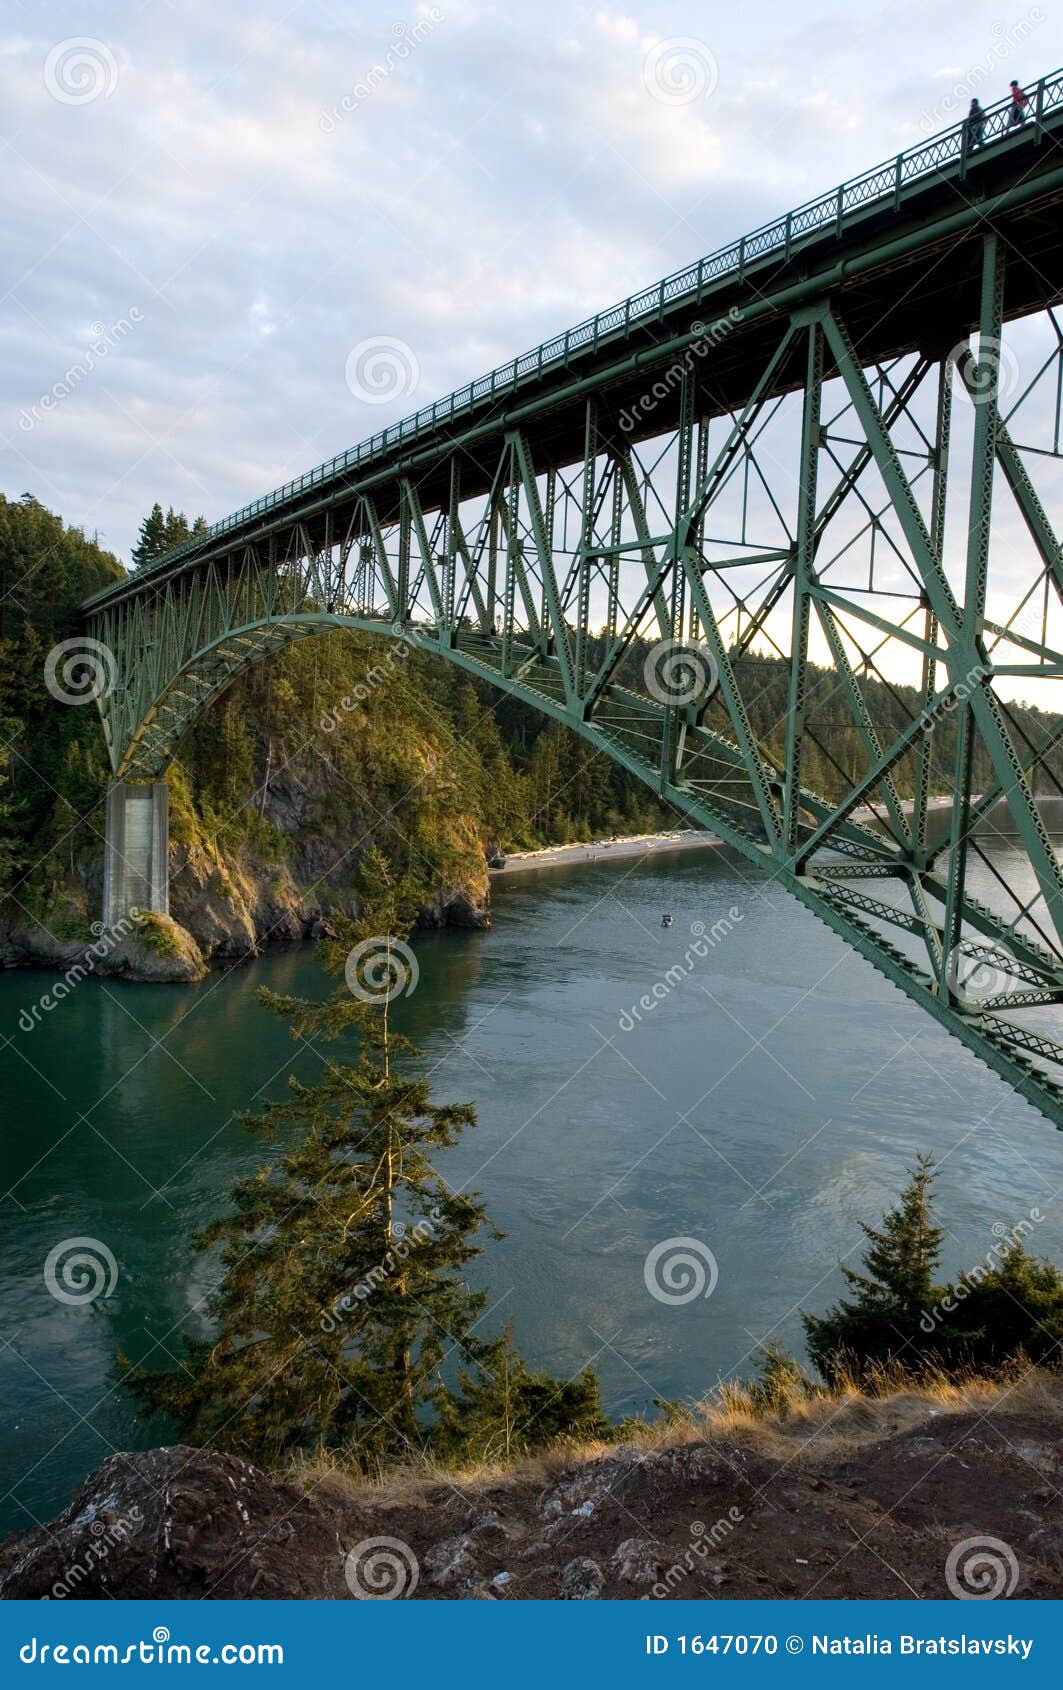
650, 597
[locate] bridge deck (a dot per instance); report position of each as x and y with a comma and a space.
898, 244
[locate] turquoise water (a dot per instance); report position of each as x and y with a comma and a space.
771, 1097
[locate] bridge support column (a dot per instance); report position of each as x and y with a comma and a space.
137, 839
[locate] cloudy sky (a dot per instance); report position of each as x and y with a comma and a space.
209, 206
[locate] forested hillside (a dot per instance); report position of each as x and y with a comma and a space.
278, 789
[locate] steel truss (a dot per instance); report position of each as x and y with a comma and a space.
645, 594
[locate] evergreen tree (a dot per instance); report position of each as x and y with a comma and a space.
342, 1297
342, 1291
1014, 1308
160, 534
152, 542
176, 530
506, 1409
880, 1322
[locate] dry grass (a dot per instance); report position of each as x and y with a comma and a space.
827, 1420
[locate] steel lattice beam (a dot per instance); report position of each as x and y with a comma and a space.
572, 557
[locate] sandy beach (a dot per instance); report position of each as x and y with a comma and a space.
606, 850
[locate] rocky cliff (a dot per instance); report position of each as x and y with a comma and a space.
886, 1498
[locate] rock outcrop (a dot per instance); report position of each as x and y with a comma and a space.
869, 1502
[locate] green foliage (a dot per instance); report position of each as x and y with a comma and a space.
161, 534
54, 765
1008, 1306
342, 1294
779, 1380
506, 1409
155, 933
880, 1322
1015, 1308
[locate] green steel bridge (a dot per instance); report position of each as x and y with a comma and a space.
836, 444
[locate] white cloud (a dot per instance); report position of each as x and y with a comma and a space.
509, 175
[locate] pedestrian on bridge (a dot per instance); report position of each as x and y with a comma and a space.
1019, 102
974, 126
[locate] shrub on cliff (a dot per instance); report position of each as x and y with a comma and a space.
1007, 1306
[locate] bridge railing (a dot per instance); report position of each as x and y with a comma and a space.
949, 148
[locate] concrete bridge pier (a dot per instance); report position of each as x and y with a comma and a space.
136, 845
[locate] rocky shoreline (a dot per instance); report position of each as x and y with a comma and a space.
221, 913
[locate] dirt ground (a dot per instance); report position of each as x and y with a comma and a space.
855, 1499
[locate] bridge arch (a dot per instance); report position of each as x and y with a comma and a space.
750, 464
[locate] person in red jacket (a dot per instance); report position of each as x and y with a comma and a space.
1019, 103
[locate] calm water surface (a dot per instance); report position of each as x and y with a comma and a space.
762, 1107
